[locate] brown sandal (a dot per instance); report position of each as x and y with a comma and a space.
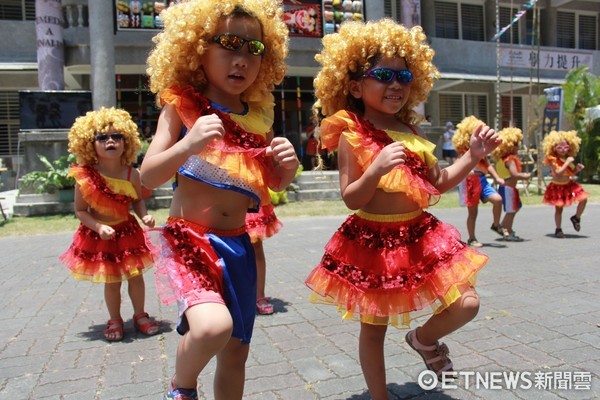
114, 330
440, 349
149, 328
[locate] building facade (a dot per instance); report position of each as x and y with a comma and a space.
500, 81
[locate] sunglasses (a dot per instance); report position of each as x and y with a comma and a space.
387, 75
233, 42
103, 137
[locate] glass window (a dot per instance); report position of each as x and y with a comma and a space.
446, 20
472, 22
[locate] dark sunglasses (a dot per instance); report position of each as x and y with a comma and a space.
103, 137
387, 74
233, 42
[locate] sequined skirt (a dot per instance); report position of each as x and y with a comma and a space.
263, 224
125, 256
389, 269
564, 194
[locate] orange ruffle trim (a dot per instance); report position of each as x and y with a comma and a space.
99, 195
263, 224
240, 153
403, 178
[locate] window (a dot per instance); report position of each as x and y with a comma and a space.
512, 34
9, 123
511, 109
587, 32
449, 24
17, 10
574, 30
456, 106
472, 22
531, 31
446, 20
391, 9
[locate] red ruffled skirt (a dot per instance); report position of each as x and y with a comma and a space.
263, 224
564, 194
125, 256
389, 269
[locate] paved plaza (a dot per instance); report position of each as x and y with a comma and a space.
540, 318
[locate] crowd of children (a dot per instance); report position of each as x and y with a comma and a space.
213, 69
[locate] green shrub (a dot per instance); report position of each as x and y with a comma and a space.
54, 178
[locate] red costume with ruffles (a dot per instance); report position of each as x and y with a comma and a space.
563, 194
263, 224
386, 269
128, 253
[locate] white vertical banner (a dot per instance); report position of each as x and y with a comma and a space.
50, 46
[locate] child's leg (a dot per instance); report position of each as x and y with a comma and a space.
137, 294
508, 220
580, 208
496, 201
455, 316
372, 361
112, 297
471, 219
558, 212
230, 373
262, 302
210, 330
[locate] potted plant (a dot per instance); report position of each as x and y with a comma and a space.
54, 179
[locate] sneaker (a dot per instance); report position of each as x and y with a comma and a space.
559, 233
512, 237
500, 230
474, 243
576, 223
180, 394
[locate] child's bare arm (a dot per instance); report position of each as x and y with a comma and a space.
167, 153
494, 173
286, 162
139, 206
514, 172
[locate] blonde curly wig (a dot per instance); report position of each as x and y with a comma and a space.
357, 47
552, 139
189, 28
463, 133
81, 135
511, 138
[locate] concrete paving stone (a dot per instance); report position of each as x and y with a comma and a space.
70, 374
536, 297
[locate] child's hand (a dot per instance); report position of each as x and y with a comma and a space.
483, 141
106, 232
579, 167
148, 220
569, 160
391, 156
205, 129
500, 181
283, 153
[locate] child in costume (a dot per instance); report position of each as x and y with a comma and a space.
109, 245
391, 261
262, 225
213, 68
509, 168
475, 187
560, 148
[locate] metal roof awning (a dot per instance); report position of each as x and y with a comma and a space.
503, 78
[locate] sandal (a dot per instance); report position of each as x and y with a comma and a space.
264, 306
576, 222
474, 243
180, 394
500, 230
440, 349
148, 328
114, 330
559, 233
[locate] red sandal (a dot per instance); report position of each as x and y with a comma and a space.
149, 328
264, 306
440, 349
114, 330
